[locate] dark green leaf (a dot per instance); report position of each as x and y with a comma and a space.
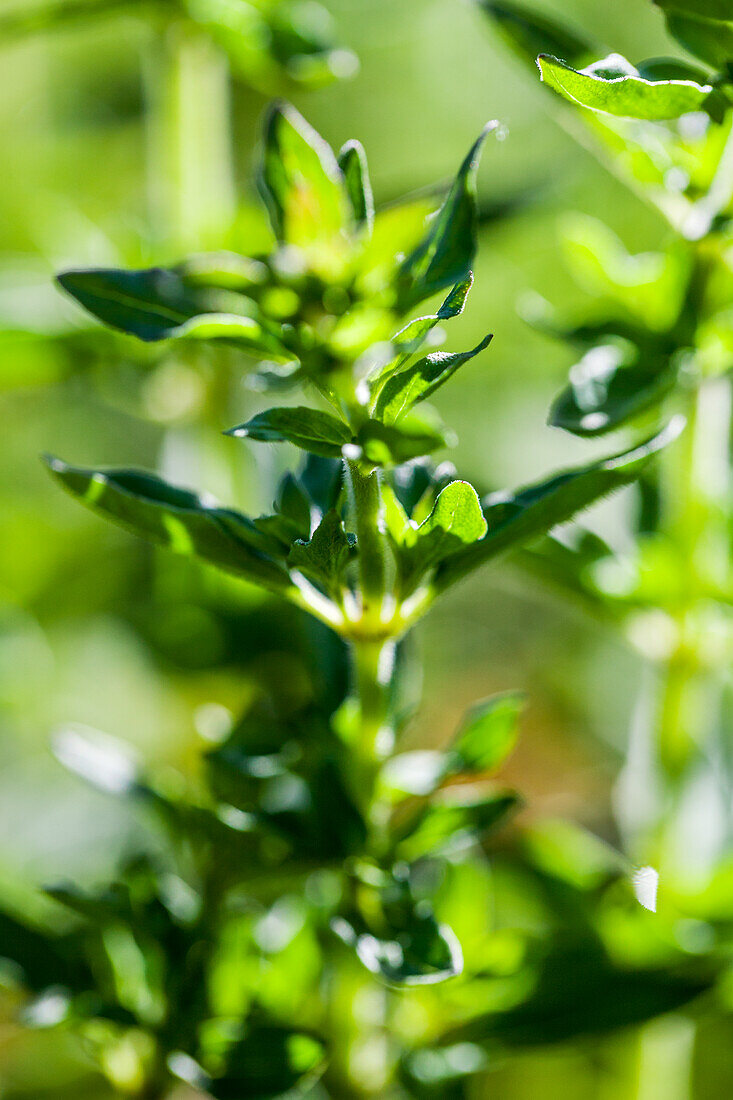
615, 87
706, 39
610, 385
393, 444
159, 304
324, 558
292, 503
301, 181
268, 1062
530, 33
419, 380
516, 519
721, 10
445, 254
176, 518
416, 950
311, 430
488, 734
353, 163
580, 992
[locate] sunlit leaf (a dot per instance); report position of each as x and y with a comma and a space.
488, 733
613, 85
454, 817
455, 522
301, 181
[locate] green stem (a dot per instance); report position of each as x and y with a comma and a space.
368, 511
695, 488
191, 187
373, 665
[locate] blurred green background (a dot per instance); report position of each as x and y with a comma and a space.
97, 629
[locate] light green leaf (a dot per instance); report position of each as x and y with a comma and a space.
177, 519
353, 163
514, 519
419, 380
454, 818
488, 733
310, 429
455, 522
530, 33
651, 286
445, 254
301, 181
614, 86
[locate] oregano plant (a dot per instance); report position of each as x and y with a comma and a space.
314, 860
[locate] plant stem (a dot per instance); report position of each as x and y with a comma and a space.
191, 184
366, 503
373, 664
695, 487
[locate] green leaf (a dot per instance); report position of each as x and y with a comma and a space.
393, 444
650, 286
267, 1063
446, 252
721, 10
325, 557
410, 339
488, 734
417, 950
611, 384
615, 87
301, 181
159, 304
310, 429
455, 522
419, 380
530, 33
709, 40
353, 163
514, 519
177, 519
453, 818
580, 992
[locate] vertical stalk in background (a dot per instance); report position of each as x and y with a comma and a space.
695, 490
190, 168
